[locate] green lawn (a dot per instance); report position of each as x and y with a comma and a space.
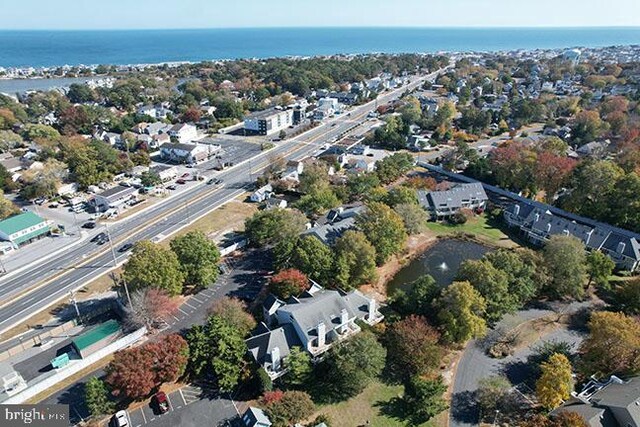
478, 226
368, 406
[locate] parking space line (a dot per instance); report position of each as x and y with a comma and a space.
189, 305
182, 395
170, 404
176, 318
143, 416
183, 312
194, 297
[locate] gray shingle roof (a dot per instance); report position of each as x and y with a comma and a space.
456, 197
283, 337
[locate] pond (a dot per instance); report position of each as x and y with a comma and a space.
441, 261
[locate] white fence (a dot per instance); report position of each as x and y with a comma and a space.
232, 248
74, 367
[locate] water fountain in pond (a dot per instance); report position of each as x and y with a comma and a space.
443, 266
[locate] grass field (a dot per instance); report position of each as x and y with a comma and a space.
480, 226
368, 406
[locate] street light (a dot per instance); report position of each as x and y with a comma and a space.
115, 263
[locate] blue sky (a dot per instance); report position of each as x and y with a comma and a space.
118, 14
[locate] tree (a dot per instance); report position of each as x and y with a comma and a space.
413, 216
299, 368
565, 259
384, 229
555, 384
150, 179
355, 260
317, 202
461, 308
7, 208
612, 347
628, 297
599, 268
393, 167
552, 172
359, 186
136, 371
198, 257
152, 266
314, 178
150, 307
80, 93
588, 127
493, 394
234, 312
492, 284
413, 347
97, 398
287, 283
423, 397
290, 408
267, 228
401, 195
313, 258
542, 353
352, 364
219, 348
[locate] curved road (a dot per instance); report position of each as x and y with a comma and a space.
31, 291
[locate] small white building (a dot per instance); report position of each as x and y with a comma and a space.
262, 194
187, 153
166, 173
183, 132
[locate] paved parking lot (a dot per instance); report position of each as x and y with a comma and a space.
206, 407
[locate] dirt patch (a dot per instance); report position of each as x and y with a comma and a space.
416, 246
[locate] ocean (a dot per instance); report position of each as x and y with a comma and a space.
53, 48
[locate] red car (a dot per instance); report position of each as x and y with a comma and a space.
181, 181
160, 402
184, 175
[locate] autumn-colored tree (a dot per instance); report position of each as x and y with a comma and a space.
461, 310
555, 383
290, 282
135, 372
628, 296
235, 313
612, 347
552, 172
422, 182
150, 307
290, 408
413, 346
192, 114
129, 373
271, 396
172, 355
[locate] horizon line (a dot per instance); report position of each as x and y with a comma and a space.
362, 27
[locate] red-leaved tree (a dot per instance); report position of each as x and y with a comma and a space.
290, 282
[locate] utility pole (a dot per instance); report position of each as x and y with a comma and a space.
73, 301
4, 269
113, 251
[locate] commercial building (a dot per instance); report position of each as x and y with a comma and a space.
97, 338
187, 153
23, 228
442, 204
268, 122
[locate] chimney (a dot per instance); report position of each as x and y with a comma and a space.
275, 359
372, 309
549, 228
516, 210
344, 319
621, 247
322, 332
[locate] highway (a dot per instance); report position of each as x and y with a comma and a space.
32, 291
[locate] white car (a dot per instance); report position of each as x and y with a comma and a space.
120, 419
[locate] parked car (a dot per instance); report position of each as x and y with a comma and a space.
125, 247
171, 187
40, 201
181, 181
120, 419
54, 205
89, 225
184, 175
160, 402
211, 181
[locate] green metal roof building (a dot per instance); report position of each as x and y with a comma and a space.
97, 338
23, 228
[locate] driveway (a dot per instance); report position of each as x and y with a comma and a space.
475, 365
